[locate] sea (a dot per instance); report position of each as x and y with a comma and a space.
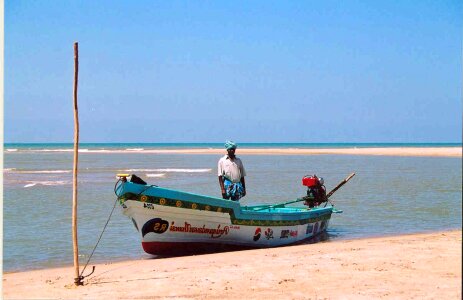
389, 195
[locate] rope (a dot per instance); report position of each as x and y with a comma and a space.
101, 235
81, 277
147, 188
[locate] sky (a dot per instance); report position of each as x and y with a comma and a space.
251, 71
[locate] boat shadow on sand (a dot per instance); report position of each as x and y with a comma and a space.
220, 248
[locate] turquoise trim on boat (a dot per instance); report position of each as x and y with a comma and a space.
247, 215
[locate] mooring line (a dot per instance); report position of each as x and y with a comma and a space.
101, 235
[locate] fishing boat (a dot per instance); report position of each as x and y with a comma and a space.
170, 221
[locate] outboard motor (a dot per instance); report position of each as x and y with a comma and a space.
316, 191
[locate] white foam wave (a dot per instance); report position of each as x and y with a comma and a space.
171, 170
110, 151
155, 175
11, 150
97, 151
94, 151
185, 170
46, 183
9, 169
83, 150
52, 150
44, 171
59, 182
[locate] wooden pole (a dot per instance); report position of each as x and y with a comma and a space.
77, 278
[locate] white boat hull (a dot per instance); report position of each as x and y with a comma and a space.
164, 229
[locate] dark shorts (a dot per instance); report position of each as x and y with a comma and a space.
233, 198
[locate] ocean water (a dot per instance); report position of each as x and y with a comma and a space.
388, 195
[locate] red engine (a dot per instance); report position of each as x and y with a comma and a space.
310, 181
316, 191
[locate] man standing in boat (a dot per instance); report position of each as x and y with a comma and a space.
231, 174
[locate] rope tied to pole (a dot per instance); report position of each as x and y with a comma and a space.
81, 277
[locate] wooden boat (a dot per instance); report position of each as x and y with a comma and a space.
171, 221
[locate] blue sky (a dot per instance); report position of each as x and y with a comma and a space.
252, 71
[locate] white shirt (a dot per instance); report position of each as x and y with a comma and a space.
231, 169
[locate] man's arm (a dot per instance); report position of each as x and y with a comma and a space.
220, 173
222, 187
244, 186
243, 173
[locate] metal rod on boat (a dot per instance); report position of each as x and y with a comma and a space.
280, 204
339, 185
77, 278
303, 199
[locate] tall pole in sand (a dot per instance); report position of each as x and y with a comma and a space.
77, 279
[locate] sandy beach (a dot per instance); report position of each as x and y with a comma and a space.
417, 266
393, 151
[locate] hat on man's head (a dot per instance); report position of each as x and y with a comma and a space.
230, 145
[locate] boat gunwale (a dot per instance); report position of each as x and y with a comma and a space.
240, 215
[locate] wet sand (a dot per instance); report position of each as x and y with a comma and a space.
417, 266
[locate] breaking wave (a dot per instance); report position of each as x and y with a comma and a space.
39, 171
171, 170
111, 151
83, 150
156, 175
46, 183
